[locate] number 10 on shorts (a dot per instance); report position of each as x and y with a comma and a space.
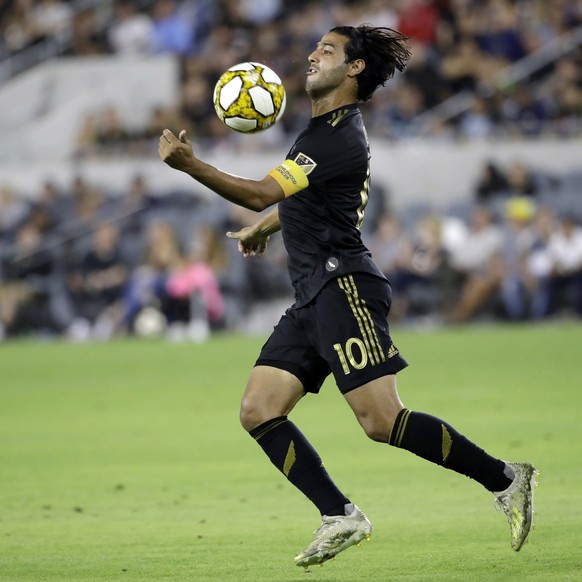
347, 356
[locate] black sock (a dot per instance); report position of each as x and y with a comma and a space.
436, 441
294, 456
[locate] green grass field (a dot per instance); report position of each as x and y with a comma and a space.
125, 461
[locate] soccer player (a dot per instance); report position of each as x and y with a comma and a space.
338, 323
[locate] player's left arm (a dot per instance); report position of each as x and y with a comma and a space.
253, 194
253, 240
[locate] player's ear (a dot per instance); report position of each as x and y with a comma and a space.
356, 67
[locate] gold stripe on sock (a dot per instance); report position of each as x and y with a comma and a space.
290, 459
402, 428
447, 443
269, 428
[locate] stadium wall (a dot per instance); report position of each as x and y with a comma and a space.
41, 111
410, 172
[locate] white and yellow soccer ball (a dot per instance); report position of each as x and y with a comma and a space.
249, 97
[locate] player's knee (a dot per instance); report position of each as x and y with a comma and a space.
378, 432
377, 426
251, 414
247, 416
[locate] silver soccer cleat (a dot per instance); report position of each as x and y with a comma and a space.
336, 533
517, 502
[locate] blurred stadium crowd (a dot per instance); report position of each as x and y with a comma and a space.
84, 263
466, 46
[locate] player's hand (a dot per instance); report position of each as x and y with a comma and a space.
176, 151
250, 243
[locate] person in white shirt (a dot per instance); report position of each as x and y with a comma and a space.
565, 252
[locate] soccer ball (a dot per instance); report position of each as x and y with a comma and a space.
249, 97
149, 322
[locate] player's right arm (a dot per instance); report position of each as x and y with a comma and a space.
253, 194
252, 240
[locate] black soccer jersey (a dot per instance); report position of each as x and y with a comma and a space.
321, 223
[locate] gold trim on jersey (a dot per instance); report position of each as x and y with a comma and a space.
337, 116
364, 195
364, 319
290, 177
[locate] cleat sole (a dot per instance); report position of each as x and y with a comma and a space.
334, 536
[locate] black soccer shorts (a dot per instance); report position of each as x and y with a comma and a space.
344, 330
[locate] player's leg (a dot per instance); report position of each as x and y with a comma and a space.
270, 393
381, 414
288, 366
270, 396
383, 417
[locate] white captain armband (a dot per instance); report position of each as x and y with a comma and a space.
290, 177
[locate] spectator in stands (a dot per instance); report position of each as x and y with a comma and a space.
146, 285
406, 104
39, 217
524, 115
458, 65
131, 32
379, 11
423, 266
134, 206
520, 180
491, 183
171, 33
51, 202
112, 136
423, 72
388, 244
13, 209
95, 286
88, 37
562, 94
30, 293
477, 123
474, 263
418, 19
51, 19
85, 209
565, 251
518, 243
539, 264
235, 281
499, 33
193, 286
260, 11
17, 26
